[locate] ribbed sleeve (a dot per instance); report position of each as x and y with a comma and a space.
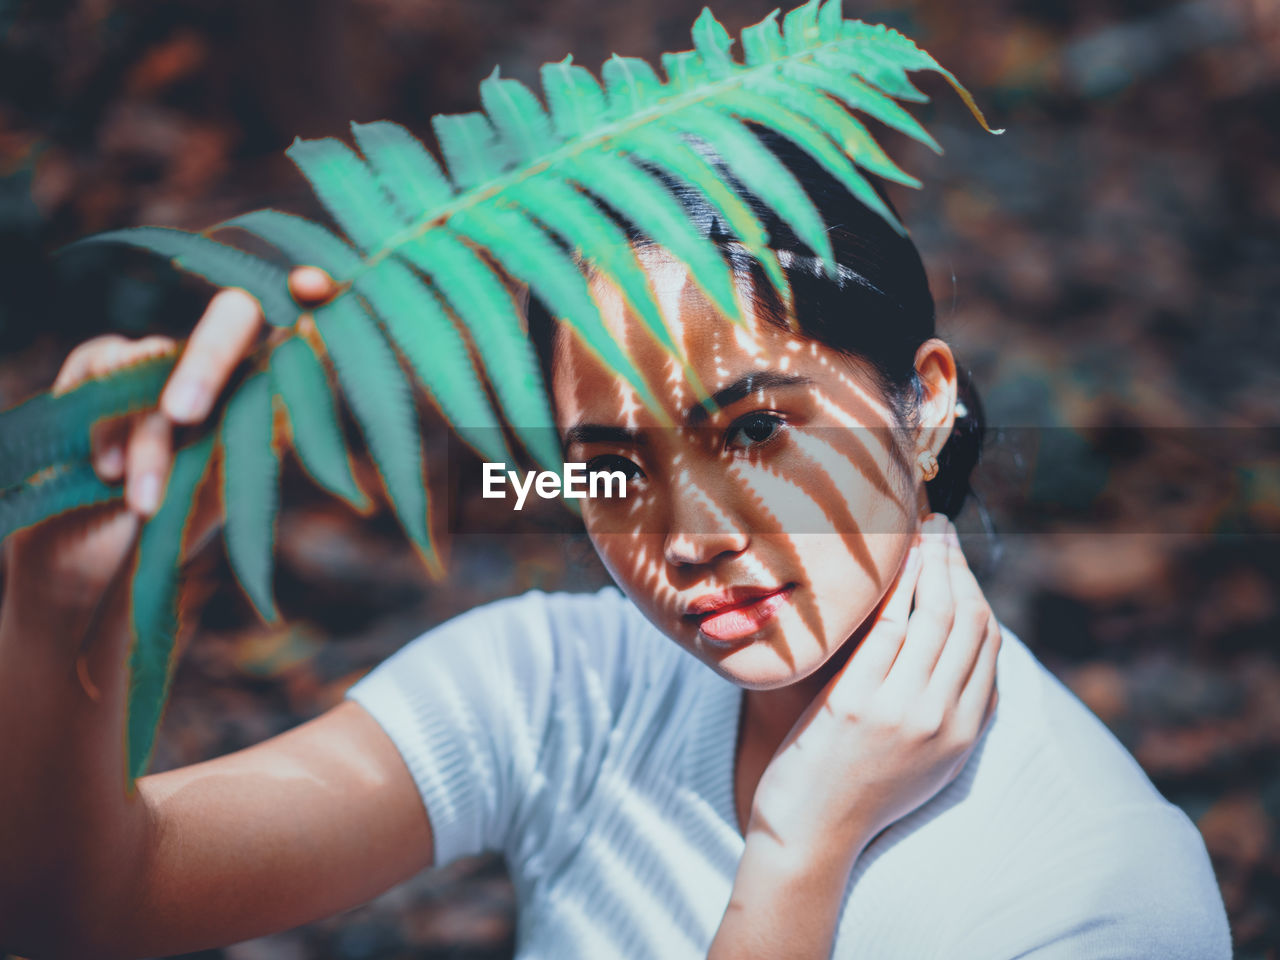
460, 703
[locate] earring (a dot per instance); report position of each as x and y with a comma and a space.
928, 465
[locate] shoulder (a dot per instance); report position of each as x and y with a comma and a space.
1085, 857
1129, 881
1042, 727
596, 643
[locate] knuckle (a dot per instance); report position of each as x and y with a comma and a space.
927, 724
975, 616
934, 616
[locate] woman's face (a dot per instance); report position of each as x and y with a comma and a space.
762, 534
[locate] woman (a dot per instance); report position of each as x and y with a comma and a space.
839, 782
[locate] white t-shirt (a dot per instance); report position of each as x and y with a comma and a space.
566, 732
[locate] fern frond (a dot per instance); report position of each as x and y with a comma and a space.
299, 380
153, 604
527, 254
381, 400
65, 488
51, 430
411, 315
221, 265
250, 482
480, 299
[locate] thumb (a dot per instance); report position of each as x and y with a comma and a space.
311, 286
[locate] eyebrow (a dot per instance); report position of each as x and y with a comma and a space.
697, 414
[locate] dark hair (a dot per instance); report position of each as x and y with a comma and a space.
879, 309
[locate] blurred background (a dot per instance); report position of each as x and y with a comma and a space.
1107, 269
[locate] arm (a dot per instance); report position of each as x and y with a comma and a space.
786, 902
888, 731
318, 819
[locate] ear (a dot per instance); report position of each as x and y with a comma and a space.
936, 367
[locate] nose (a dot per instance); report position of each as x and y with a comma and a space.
701, 530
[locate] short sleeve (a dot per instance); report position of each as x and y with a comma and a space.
470, 706
1137, 885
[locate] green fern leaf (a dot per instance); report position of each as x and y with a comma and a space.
577, 103
49, 430
644, 201
812, 140
484, 305
525, 251
800, 27
349, 191
405, 168
882, 73
631, 83
419, 326
713, 43
382, 402
251, 477
471, 148
65, 488
411, 315
518, 116
679, 160
302, 240
153, 609
685, 70
762, 42
571, 215
762, 173
860, 96
830, 21
836, 122
298, 378
221, 265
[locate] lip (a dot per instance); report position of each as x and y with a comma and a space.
730, 616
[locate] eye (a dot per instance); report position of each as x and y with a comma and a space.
609, 462
753, 429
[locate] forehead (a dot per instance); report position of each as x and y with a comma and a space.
718, 351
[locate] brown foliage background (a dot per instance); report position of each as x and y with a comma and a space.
1107, 268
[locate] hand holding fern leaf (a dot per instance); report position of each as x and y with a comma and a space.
62, 567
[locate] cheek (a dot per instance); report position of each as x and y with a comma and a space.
848, 577
634, 560
838, 481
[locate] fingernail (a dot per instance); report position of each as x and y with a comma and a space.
146, 493
112, 461
186, 400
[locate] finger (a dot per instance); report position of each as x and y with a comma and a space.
76, 368
108, 437
978, 699
147, 463
220, 340
153, 346
875, 654
968, 628
311, 286
930, 622
107, 444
